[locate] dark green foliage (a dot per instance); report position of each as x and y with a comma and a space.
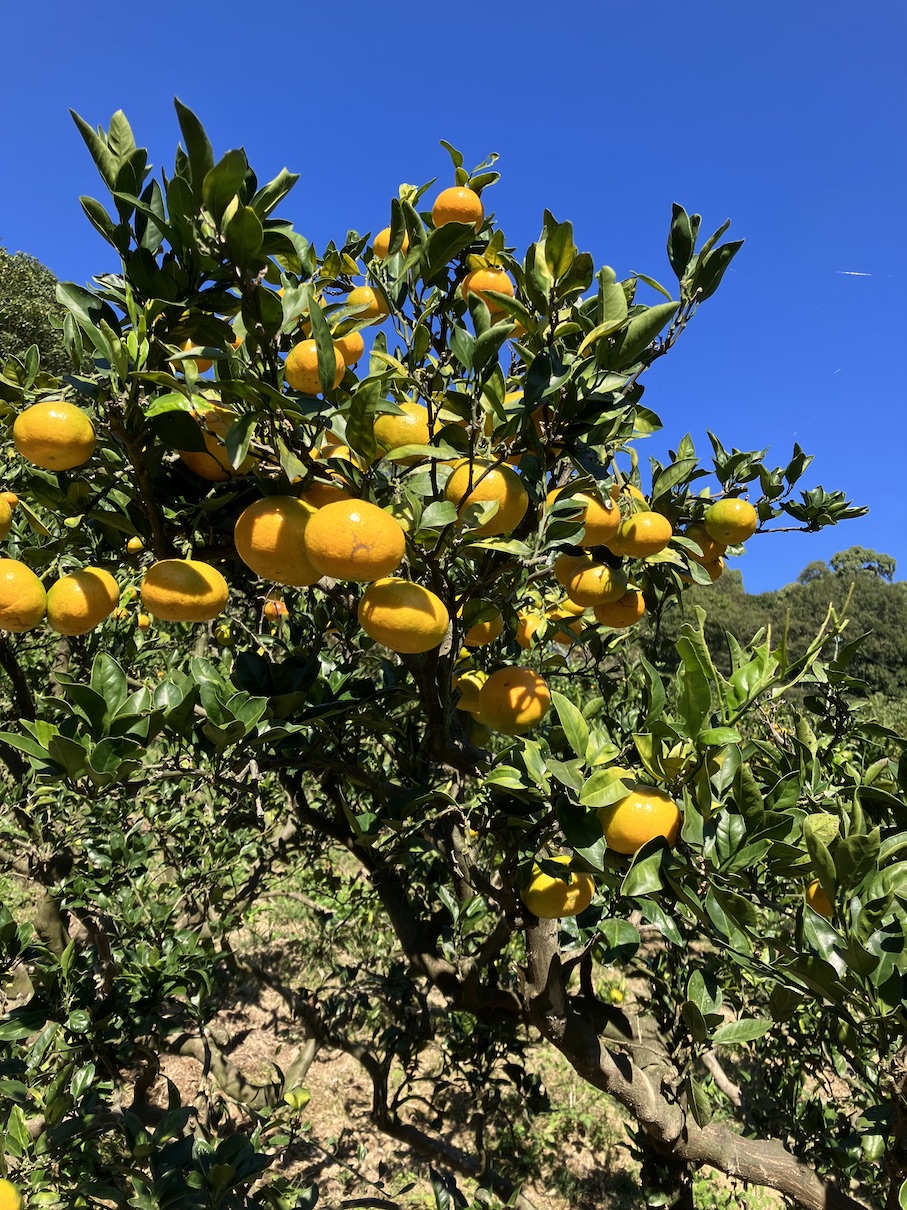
28, 307
877, 609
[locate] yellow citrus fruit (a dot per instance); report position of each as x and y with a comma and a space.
54, 435
643, 534
482, 633
629, 490
730, 521
565, 606
11, 498
350, 346
375, 307
10, 1197
393, 430
551, 898
405, 617
593, 583
514, 699
320, 494
709, 549
715, 569
275, 608
458, 205
526, 626
301, 368
202, 364
480, 280
600, 518
135, 546
818, 900
489, 482
79, 602
23, 600
270, 539
469, 684
625, 611
565, 565
213, 462
639, 817
382, 242
143, 622
184, 590
6, 518
354, 540
565, 635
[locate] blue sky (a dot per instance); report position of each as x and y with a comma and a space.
790, 119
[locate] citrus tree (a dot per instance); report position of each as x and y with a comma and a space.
343, 564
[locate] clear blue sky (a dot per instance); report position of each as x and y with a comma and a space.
789, 118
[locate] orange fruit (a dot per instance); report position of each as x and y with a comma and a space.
320, 494
11, 498
552, 898
482, 633
628, 490
403, 616
301, 368
143, 622
643, 534
184, 590
213, 462
270, 539
354, 540
79, 602
10, 1197
489, 482
565, 565
639, 817
393, 430
375, 307
731, 520
709, 549
818, 900
55, 435
469, 685
6, 518
23, 600
600, 518
382, 242
625, 611
526, 626
513, 700
350, 346
202, 364
574, 626
480, 280
135, 546
275, 608
458, 205
593, 583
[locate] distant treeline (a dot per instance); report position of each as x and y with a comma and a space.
877, 609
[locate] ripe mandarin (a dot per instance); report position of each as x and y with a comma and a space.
551, 898
79, 602
599, 518
513, 700
403, 616
23, 600
730, 521
639, 817
301, 368
184, 590
458, 205
354, 540
625, 611
270, 539
643, 534
489, 483
55, 435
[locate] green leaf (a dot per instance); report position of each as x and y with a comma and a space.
575, 727
710, 271
103, 157
244, 234
699, 1102
198, 148
178, 430
116, 234
606, 786
855, 857
560, 250
653, 284
327, 360
680, 241
223, 182
620, 941
109, 681
717, 737
273, 193
640, 332
360, 421
239, 437
655, 699
645, 874
734, 1033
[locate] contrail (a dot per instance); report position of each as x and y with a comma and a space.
850, 273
